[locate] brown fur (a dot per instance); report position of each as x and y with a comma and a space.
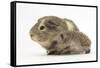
59, 36
72, 43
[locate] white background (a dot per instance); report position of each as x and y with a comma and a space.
30, 52
5, 34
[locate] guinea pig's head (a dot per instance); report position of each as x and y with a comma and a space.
46, 28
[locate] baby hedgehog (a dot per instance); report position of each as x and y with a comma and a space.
59, 36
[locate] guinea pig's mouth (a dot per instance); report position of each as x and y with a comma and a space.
35, 38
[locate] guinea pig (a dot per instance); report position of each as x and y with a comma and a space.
47, 28
69, 42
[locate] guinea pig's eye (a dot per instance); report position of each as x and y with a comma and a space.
42, 27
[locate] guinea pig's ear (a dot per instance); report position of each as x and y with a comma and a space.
51, 24
71, 25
